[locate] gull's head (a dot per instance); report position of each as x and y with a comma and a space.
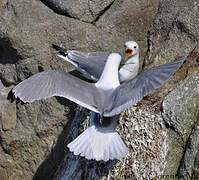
131, 48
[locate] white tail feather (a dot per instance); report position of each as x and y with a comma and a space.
98, 145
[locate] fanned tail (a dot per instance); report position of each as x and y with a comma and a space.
98, 145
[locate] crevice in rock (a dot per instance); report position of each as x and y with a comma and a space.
148, 49
102, 12
196, 166
185, 168
51, 6
164, 37
8, 55
2, 146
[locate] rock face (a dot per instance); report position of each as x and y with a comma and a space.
7, 110
84, 10
173, 32
180, 112
33, 137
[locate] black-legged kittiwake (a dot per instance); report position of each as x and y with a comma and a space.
107, 97
91, 65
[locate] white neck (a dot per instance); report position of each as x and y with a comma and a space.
133, 59
110, 78
130, 69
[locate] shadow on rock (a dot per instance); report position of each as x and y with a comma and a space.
8, 55
50, 165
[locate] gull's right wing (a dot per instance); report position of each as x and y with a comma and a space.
58, 83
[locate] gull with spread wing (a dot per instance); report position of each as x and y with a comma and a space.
107, 97
91, 65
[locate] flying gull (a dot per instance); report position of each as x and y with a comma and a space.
91, 65
107, 97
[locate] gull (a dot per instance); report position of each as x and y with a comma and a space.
107, 97
92, 64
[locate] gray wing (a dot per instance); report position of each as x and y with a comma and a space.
57, 83
133, 91
90, 64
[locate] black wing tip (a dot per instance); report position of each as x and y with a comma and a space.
11, 96
56, 47
60, 50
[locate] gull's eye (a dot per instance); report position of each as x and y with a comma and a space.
129, 51
135, 47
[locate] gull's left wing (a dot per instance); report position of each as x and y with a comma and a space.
90, 64
133, 91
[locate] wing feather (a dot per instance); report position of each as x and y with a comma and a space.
58, 83
92, 62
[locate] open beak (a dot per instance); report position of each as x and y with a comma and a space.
128, 53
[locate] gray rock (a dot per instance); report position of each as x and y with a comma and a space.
174, 31
180, 106
173, 34
189, 162
84, 10
7, 110
180, 111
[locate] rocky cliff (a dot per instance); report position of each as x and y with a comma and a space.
161, 131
